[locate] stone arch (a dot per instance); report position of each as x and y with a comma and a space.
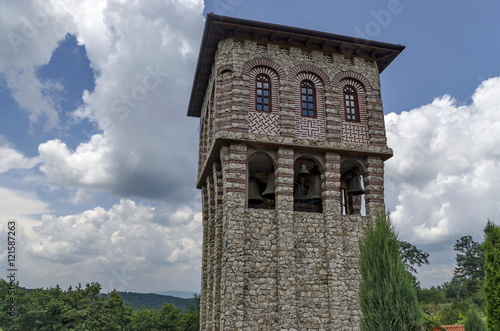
307, 68
262, 62
224, 69
353, 76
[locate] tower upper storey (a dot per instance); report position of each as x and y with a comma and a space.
279, 85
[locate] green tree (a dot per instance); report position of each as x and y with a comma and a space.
412, 256
169, 318
474, 321
387, 294
191, 319
492, 273
146, 319
469, 271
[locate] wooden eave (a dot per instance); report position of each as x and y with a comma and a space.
219, 27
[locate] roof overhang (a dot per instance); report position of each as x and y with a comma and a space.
219, 27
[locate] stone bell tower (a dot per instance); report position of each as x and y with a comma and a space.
291, 165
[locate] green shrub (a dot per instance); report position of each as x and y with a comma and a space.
474, 321
387, 294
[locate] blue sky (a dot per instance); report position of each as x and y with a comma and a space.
98, 158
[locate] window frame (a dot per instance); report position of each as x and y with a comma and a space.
307, 95
355, 104
262, 79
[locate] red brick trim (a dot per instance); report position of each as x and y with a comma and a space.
261, 62
225, 68
352, 75
310, 69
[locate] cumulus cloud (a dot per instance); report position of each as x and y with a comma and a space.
127, 243
443, 181
35, 97
144, 57
10, 158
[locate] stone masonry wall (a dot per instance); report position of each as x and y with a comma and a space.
279, 269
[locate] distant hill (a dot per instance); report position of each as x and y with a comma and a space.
140, 301
178, 294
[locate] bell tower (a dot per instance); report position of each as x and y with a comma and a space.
291, 165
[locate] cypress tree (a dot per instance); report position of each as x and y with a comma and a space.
492, 275
387, 295
474, 322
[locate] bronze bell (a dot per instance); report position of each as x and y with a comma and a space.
354, 186
300, 193
303, 172
314, 188
270, 188
254, 197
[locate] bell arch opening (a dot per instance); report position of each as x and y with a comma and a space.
308, 187
352, 188
261, 182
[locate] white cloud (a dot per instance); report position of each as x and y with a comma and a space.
33, 96
144, 57
120, 248
11, 158
443, 181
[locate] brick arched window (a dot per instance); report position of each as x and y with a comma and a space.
262, 92
308, 98
351, 104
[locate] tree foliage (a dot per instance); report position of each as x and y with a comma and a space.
412, 256
474, 321
387, 294
85, 309
492, 273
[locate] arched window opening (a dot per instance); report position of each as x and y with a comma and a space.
262, 93
351, 104
308, 191
261, 182
308, 98
352, 189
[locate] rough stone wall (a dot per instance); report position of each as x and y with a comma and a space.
279, 269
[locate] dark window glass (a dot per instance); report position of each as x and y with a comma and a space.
351, 104
262, 93
307, 97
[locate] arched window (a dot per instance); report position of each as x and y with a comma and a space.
308, 192
351, 189
351, 104
308, 98
261, 181
262, 93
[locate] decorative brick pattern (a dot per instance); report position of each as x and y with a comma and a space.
310, 128
263, 123
354, 133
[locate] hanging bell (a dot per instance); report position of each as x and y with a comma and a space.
303, 172
314, 193
254, 197
354, 186
270, 188
300, 193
